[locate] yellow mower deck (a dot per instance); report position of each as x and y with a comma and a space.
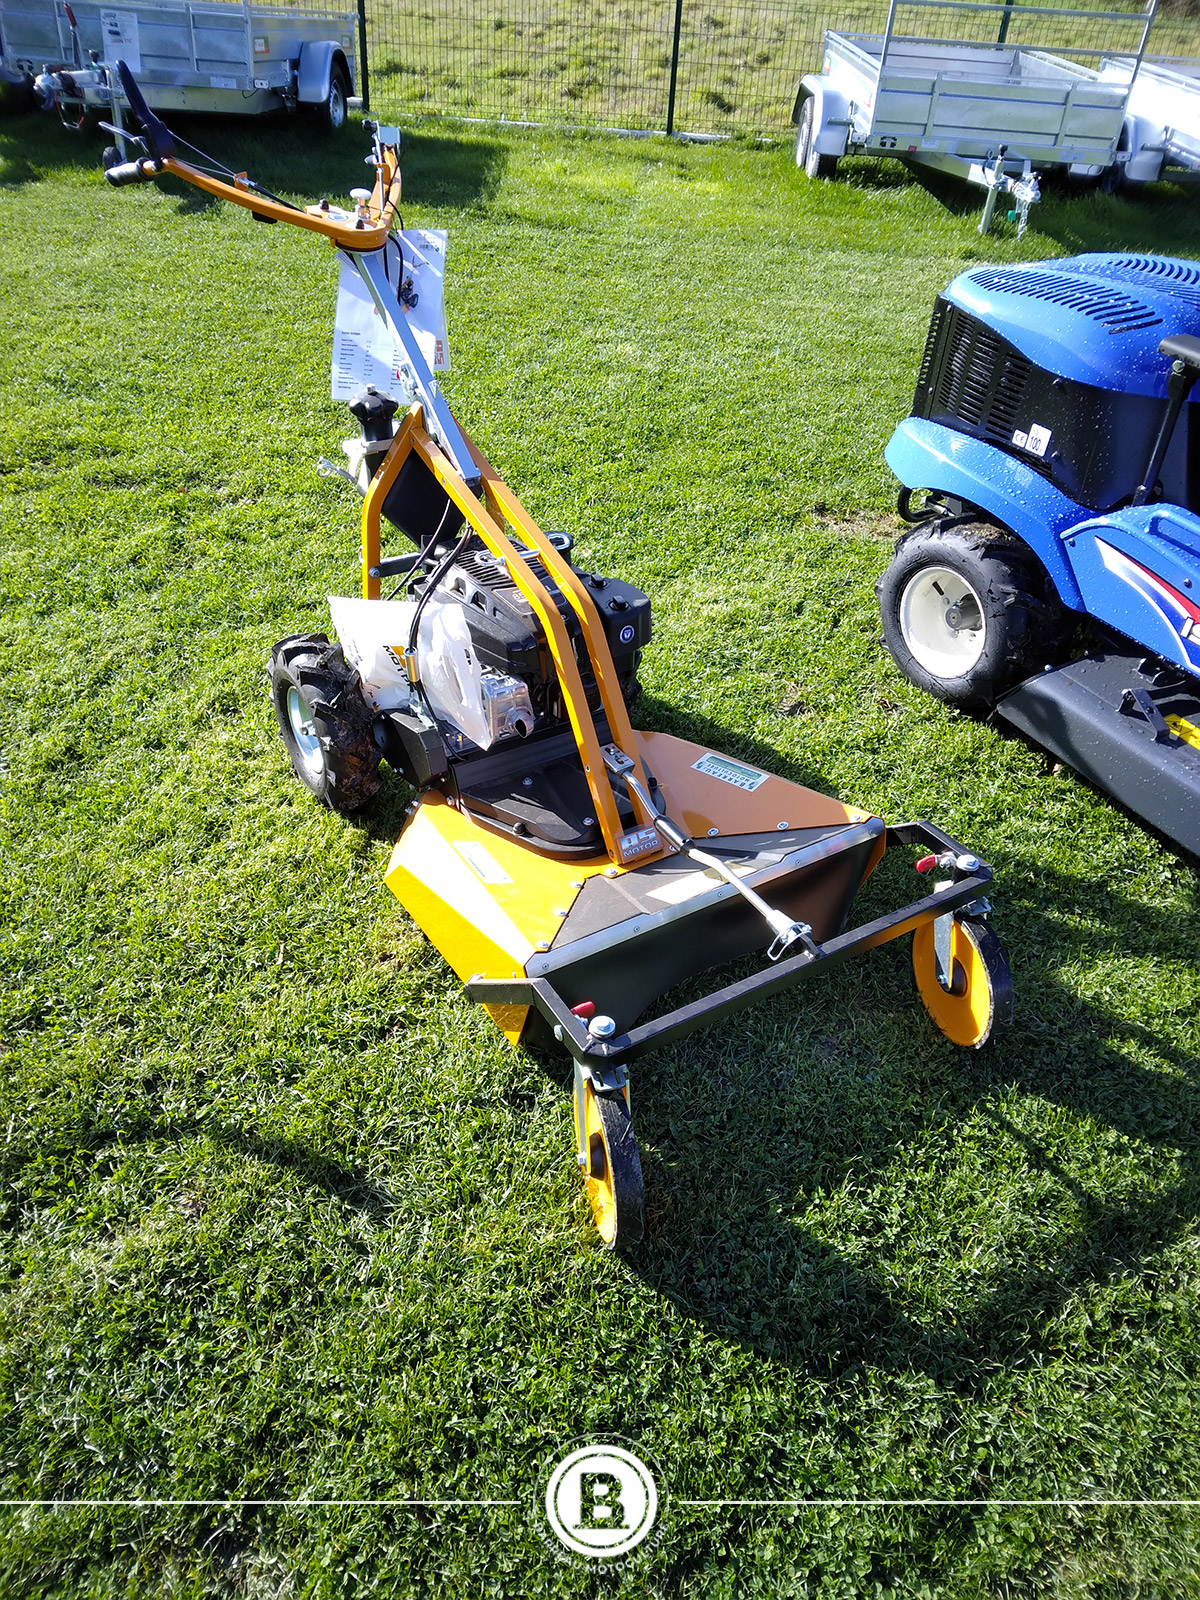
497, 909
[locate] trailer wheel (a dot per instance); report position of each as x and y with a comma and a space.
613, 1174
816, 165
976, 1006
326, 725
331, 113
967, 611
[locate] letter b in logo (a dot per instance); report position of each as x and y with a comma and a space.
600, 1503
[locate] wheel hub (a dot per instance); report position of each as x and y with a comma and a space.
942, 622
304, 732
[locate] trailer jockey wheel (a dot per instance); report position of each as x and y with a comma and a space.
967, 989
612, 1168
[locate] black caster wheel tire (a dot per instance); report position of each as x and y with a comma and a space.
326, 725
968, 611
111, 157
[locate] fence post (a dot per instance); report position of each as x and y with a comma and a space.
674, 66
1004, 21
364, 79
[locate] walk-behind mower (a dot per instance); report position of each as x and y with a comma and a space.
571, 870
1051, 469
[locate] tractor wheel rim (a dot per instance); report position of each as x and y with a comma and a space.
942, 623
308, 743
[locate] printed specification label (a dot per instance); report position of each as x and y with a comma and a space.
715, 766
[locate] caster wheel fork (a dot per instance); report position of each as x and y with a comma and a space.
607, 1152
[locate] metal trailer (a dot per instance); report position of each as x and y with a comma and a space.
1161, 137
189, 55
983, 106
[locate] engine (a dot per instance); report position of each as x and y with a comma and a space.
488, 723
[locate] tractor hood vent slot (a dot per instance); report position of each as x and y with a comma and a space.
1119, 313
1063, 315
1179, 279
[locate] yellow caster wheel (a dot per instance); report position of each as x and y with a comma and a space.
969, 991
612, 1168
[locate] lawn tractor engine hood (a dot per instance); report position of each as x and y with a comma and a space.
1094, 319
1057, 364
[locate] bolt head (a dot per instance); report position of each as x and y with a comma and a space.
713, 832
781, 827
602, 1027
967, 862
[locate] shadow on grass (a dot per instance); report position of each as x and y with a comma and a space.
735, 1169
1160, 218
347, 1185
281, 152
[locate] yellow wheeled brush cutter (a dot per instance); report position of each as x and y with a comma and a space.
570, 869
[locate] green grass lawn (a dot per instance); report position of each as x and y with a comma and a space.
285, 1217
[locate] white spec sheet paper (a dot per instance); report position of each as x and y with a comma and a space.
119, 31
365, 351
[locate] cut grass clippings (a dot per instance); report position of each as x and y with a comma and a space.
285, 1217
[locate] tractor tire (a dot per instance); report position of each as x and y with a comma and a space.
816, 165
968, 611
331, 113
326, 725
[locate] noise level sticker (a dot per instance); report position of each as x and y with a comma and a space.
715, 766
1035, 441
1187, 731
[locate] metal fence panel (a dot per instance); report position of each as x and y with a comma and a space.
738, 62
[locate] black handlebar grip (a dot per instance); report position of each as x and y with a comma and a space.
130, 172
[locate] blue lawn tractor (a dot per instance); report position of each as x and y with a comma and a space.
1051, 472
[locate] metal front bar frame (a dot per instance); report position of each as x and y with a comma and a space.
623, 1048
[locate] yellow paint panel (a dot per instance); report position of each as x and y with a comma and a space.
438, 871
1187, 731
509, 1019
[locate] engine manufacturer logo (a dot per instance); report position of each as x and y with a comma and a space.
639, 843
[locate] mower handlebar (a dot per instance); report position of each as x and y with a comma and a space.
141, 171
